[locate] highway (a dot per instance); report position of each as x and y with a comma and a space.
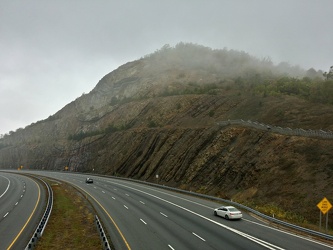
21, 206
139, 216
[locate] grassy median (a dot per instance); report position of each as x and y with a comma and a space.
72, 222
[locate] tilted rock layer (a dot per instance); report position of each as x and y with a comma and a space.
156, 120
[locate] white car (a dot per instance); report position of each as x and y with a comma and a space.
228, 212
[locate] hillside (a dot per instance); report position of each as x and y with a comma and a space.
160, 115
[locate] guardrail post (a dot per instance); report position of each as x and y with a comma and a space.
40, 228
102, 235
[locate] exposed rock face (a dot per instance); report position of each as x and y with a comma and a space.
158, 117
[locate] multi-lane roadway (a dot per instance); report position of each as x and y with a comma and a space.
139, 216
22, 200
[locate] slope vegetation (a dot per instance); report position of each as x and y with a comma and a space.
160, 115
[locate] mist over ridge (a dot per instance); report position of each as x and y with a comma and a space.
162, 114
185, 67
224, 62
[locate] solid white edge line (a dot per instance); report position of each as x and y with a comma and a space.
263, 225
7, 186
291, 234
252, 238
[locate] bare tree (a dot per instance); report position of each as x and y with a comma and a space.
329, 75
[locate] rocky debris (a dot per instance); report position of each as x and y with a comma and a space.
151, 117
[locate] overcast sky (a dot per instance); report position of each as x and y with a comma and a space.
53, 51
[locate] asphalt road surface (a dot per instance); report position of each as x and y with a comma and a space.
139, 216
21, 206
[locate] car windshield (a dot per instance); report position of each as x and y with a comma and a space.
232, 209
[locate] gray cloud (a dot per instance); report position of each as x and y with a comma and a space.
53, 51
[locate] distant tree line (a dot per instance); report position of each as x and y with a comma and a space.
223, 62
231, 69
329, 75
315, 90
245, 71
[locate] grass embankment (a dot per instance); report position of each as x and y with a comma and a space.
72, 223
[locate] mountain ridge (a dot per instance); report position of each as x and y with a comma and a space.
160, 114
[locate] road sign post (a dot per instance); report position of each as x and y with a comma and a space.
324, 206
319, 221
326, 221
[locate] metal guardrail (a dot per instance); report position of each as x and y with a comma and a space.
41, 226
269, 218
286, 131
102, 235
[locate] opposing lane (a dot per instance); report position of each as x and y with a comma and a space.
18, 206
11, 191
4, 185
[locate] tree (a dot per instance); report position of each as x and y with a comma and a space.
311, 73
329, 75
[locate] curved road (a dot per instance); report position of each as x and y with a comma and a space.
21, 203
139, 216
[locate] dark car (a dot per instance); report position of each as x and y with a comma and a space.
89, 180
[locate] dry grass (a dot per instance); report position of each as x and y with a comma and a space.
71, 224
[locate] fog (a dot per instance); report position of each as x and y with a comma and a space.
53, 51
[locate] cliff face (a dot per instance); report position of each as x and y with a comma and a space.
159, 117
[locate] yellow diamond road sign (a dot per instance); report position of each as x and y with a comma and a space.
324, 205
